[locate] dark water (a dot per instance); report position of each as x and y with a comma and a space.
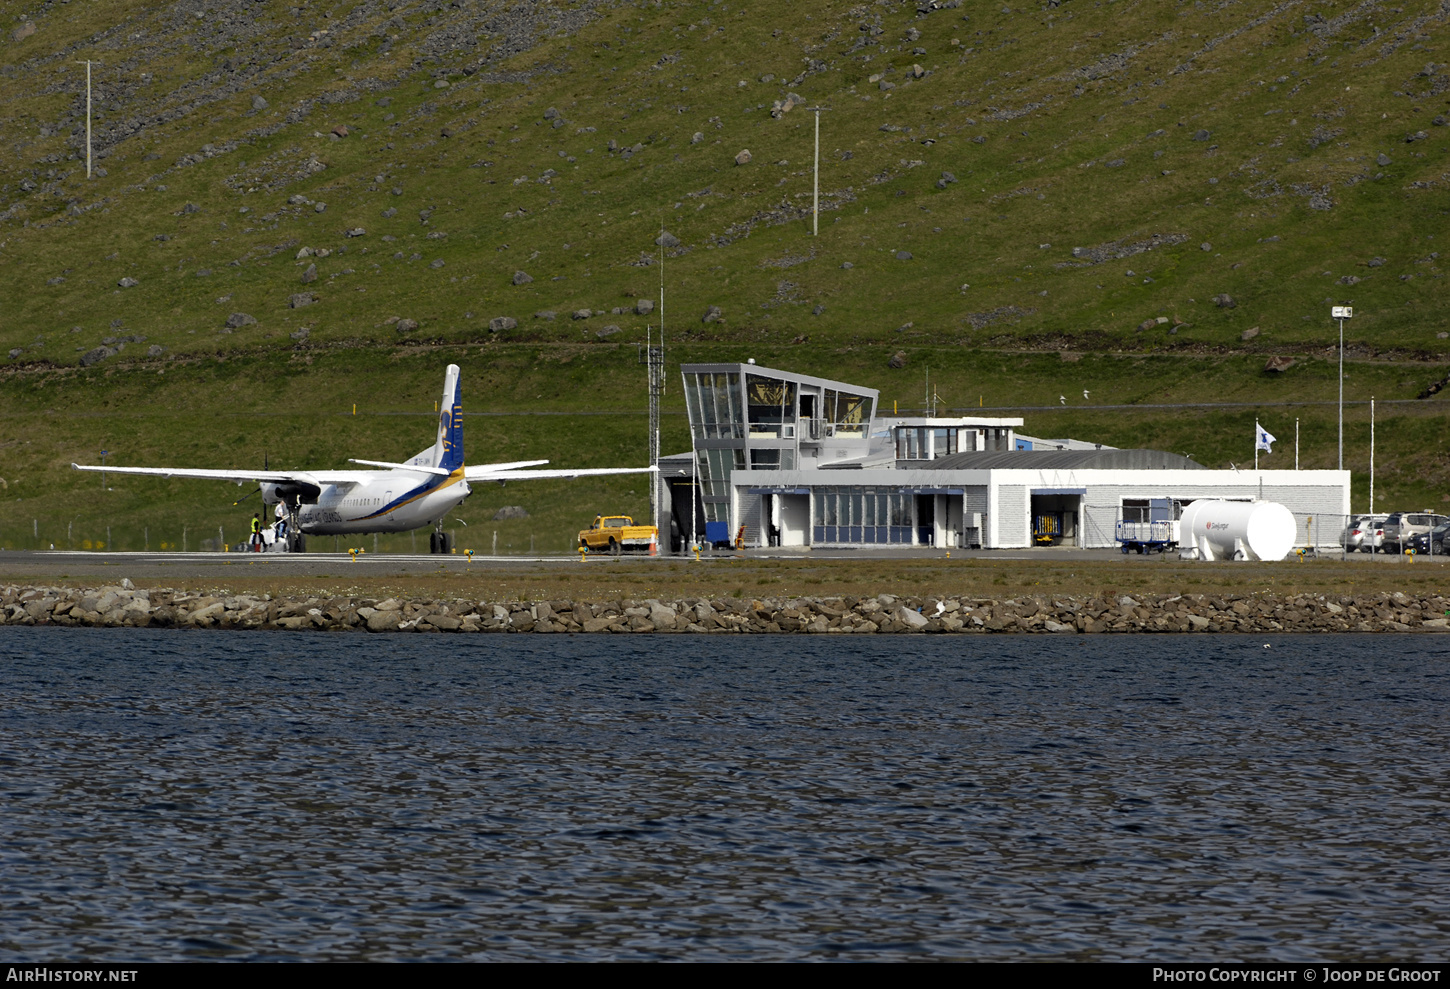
167, 795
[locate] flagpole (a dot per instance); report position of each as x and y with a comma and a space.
1257, 430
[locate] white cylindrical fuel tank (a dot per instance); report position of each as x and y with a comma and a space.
1237, 530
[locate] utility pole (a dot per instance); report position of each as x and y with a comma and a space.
816, 175
657, 370
87, 63
653, 357
1341, 313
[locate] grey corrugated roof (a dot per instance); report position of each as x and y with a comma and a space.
677, 465
1060, 460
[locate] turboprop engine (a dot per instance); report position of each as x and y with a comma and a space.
292, 492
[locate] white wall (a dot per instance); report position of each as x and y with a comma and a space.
1004, 495
1322, 494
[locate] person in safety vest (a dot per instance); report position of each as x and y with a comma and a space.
256, 532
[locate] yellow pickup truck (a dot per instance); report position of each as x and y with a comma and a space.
617, 534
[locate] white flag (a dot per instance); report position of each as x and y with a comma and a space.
1263, 439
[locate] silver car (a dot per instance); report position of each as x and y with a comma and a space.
1360, 533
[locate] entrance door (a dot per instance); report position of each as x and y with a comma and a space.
770, 519
953, 528
925, 519
795, 519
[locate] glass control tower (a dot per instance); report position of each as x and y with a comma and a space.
743, 416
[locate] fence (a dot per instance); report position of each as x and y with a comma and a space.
1321, 535
1315, 535
74, 536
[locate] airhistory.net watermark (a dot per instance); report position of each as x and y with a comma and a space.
47, 974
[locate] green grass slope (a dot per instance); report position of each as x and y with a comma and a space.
479, 144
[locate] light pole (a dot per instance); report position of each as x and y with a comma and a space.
816, 175
87, 63
1341, 313
104, 454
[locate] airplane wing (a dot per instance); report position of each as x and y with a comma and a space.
237, 476
316, 478
493, 474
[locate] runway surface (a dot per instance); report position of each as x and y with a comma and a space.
31, 566
27, 566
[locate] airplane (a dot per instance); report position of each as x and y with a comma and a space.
396, 498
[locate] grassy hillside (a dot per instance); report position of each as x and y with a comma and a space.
1255, 128
1011, 196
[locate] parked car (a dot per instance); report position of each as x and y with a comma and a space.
1430, 543
1360, 533
1400, 526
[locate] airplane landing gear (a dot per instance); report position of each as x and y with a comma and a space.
440, 541
296, 541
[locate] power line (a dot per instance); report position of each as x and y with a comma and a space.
1185, 405
965, 412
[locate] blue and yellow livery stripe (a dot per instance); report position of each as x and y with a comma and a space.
408, 497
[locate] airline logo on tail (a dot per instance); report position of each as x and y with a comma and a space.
449, 455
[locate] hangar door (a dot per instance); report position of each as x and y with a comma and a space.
1056, 516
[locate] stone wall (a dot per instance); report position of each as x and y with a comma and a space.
126, 605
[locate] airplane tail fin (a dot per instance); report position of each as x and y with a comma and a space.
448, 450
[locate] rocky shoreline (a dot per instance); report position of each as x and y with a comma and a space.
127, 606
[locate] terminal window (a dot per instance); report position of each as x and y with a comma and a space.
715, 405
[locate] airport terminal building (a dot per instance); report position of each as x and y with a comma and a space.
790, 460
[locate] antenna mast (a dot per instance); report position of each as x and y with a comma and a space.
653, 358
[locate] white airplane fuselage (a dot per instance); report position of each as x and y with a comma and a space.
394, 501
